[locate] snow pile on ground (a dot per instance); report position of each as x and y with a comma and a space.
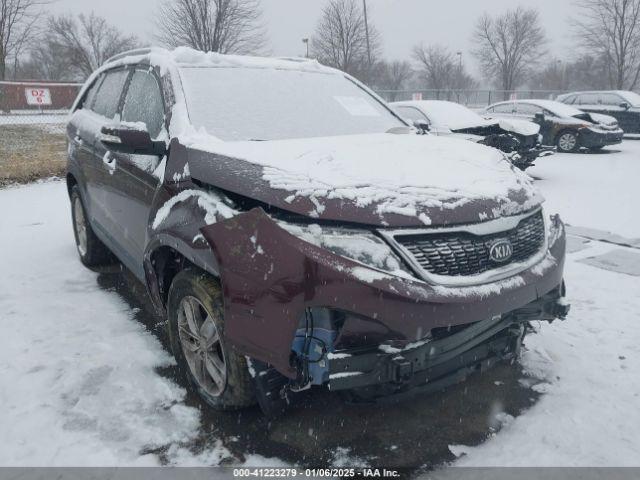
78, 377
588, 414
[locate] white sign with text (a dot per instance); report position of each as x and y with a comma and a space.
38, 96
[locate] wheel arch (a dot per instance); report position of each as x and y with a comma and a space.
162, 262
71, 182
568, 129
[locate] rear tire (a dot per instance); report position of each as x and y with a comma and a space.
567, 141
196, 332
91, 250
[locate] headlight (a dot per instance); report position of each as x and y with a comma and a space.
359, 245
556, 230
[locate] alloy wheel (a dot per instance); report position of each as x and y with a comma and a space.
80, 226
201, 345
568, 142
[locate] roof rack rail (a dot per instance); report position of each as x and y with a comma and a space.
296, 59
136, 51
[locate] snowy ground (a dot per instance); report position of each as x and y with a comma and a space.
24, 118
82, 384
594, 190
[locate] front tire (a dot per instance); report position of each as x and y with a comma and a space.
196, 332
91, 250
567, 141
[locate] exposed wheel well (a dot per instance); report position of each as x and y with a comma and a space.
167, 263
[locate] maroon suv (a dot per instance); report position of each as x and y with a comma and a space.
295, 232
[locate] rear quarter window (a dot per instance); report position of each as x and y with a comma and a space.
90, 96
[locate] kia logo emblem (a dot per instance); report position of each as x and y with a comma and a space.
501, 251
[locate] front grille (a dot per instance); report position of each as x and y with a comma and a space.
458, 254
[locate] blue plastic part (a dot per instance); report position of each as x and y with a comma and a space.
321, 339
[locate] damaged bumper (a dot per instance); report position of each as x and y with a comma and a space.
434, 364
271, 279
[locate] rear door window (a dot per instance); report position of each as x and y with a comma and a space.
528, 109
504, 108
108, 96
143, 102
588, 99
611, 99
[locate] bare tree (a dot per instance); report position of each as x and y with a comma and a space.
552, 76
509, 45
611, 29
85, 42
224, 26
340, 39
46, 61
18, 19
391, 76
439, 70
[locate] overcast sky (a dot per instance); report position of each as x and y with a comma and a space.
403, 23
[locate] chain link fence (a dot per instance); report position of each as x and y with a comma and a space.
32, 125
470, 98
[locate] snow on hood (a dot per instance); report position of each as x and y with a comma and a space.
603, 119
386, 179
521, 127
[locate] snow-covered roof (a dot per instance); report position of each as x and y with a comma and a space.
188, 57
560, 109
632, 97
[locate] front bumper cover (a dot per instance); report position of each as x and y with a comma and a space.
433, 365
592, 139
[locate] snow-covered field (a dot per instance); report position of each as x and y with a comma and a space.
79, 381
597, 190
53, 117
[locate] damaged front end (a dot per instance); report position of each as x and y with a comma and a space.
522, 150
345, 308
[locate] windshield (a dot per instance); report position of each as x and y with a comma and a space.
631, 97
559, 109
271, 104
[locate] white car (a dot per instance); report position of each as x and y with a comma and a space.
519, 139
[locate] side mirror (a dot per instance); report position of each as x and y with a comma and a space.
539, 117
422, 125
131, 140
625, 106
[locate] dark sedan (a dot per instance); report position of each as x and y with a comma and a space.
623, 106
566, 127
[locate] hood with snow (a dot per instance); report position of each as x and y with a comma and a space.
375, 179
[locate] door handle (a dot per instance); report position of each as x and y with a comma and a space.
109, 161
